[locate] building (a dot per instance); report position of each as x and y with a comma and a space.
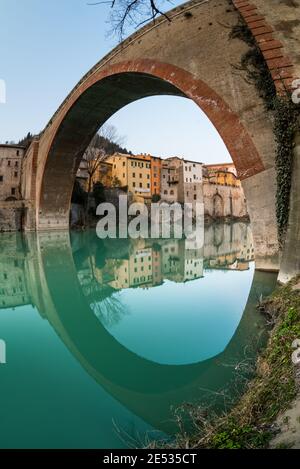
181, 181
134, 173
190, 182
169, 180
223, 167
156, 166
11, 157
82, 174
223, 194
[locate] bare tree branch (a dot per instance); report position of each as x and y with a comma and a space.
131, 14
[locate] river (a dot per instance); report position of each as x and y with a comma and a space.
100, 340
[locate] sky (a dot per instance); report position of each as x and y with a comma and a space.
46, 46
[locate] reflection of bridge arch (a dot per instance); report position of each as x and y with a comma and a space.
146, 388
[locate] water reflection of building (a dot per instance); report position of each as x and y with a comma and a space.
13, 287
137, 263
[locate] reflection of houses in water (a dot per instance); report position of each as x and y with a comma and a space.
13, 291
13, 288
138, 263
136, 271
228, 246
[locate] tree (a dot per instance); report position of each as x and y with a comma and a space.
156, 198
109, 141
128, 14
92, 159
105, 142
26, 141
98, 193
78, 195
115, 182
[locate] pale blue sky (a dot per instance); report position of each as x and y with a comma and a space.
45, 48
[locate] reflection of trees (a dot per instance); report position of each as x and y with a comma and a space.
102, 298
109, 311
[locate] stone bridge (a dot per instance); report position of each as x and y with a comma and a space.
192, 56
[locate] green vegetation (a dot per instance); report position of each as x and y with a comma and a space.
249, 423
98, 193
156, 198
285, 116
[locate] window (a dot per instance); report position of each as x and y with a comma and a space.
190, 168
133, 175
194, 166
148, 176
16, 174
1, 178
195, 197
195, 188
171, 192
8, 163
123, 175
124, 163
133, 184
18, 152
155, 175
165, 192
141, 175
13, 191
141, 185
155, 184
194, 176
148, 185
164, 176
16, 164
185, 168
187, 193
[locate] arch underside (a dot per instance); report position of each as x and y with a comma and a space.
106, 91
91, 110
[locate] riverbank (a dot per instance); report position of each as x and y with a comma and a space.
265, 416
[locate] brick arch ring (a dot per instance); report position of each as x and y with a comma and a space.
235, 136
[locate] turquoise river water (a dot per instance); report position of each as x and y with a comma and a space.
101, 340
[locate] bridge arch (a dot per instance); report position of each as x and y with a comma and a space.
191, 56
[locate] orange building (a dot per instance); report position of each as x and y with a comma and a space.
156, 163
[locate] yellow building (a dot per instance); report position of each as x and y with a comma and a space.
133, 172
224, 174
136, 271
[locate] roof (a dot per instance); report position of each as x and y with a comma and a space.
219, 164
13, 145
